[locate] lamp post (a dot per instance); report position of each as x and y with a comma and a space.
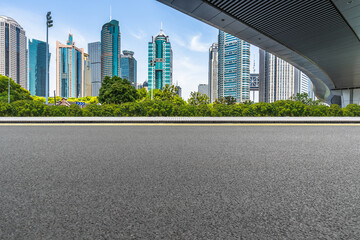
153, 64
8, 87
49, 24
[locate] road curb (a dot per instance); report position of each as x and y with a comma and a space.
194, 120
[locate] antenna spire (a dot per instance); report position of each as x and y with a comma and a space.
161, 26
110, 13
254, 64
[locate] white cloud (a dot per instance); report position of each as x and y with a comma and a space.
178, 41
196, 45
139, 35
189, 73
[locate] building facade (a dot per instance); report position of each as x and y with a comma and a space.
179, 91
203, 89
70, 81
87, 75
234, 67
160, 62
254, 87
94, 50
13, 59
278, 79
110, 49
213, 72
129, 67
306, 86
37, 67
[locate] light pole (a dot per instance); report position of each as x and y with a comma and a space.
49, 24
153, 64
8, 87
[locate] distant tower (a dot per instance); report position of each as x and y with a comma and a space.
110, 49
160, 65
129, 67
213, 72
279, 80
70, 61
13, 51
95, 57
37, 67
234, 67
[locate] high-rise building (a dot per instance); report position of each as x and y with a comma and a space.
110, 49
306, 86
70, 61
234, 67
37, 67
87, 75
13, 51
203, 89
94, 50
129, 67
160, 62
278, 79
213, 72
254, 87
179, 91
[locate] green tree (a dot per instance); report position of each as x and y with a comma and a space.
16, 91
197, 98
116, 90
304, 98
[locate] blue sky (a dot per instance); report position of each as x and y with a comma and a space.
139, 21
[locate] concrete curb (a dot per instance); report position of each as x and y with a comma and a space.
202, 120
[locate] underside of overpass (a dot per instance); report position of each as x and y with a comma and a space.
319, 37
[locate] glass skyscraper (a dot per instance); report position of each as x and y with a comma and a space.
279, 80
94, 50
37, 67
213, 72
110, 49
160, 62
129, 67
234, 67
70, 61
13, 59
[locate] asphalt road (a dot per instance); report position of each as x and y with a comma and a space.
179, 182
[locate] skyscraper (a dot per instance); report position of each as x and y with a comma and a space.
13, 51
160, 62
129, 67
70, 80
203, 89
234, 67
110, 49
94, 50
213, 72
37, 67
254, 87
278, 79
306, 86
87, 75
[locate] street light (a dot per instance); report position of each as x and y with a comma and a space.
153, 64
49, 24
8, 88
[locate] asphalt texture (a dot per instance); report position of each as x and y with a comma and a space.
179, 182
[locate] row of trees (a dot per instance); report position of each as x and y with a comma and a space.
171, 108
119, 98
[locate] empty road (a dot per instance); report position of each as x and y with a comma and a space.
179, 182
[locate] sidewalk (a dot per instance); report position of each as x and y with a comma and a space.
202, 120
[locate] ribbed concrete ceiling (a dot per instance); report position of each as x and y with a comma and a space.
320, 37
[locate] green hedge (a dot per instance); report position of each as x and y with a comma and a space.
28, 108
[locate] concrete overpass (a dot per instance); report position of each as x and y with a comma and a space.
319, 37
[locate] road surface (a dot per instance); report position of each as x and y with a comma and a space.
179, 182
